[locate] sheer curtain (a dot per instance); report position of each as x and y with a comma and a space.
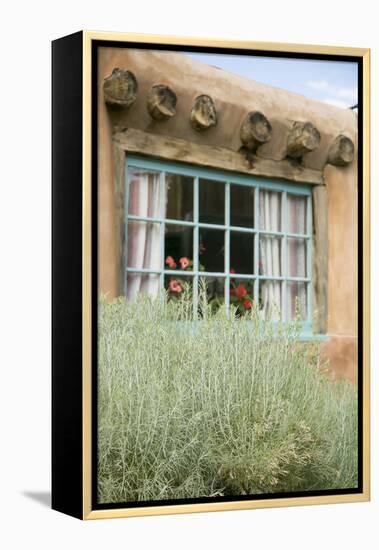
296, 292
143, 246
270, 257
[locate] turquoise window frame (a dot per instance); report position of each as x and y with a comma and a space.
227, 178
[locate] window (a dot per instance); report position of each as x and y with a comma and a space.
246, 236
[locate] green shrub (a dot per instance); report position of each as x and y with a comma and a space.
224, 406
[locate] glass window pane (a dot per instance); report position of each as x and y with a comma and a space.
270, 256
242, 294
178, 247
242, 205
211, 249
241, 252
297, 214
144, 193
270, 210
270, 299
144, 250
213, 290
211, 201
296, 300
138, 283
297, 257
179, 197
177, 285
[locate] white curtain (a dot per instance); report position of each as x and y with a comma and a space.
270, 257
143, 247
296, 292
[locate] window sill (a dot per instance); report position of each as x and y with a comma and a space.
313, 338
305, 334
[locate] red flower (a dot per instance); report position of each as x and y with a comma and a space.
232, 270
248, 304
175, 286
240, 291
232, 292
170, 262
184, 262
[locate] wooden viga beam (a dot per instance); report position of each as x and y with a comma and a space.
255, 130
203, 113
341, 151
161, 102
120, 88
302, 138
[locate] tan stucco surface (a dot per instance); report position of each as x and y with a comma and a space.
234, 97
343, 269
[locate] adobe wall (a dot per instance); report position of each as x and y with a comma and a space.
234, 97
341, 349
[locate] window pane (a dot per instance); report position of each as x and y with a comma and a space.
179, 197
213, 289
296, 214
270, 299
177, 285
270, 210
142, 283
144, 249
241, 252
178, 247
297, 257
211, 249
270, 256
242, 294
242, 205
144, 193
296, 300
211, 202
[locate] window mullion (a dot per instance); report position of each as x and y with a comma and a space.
256, 245
284, 255
195, 282
227, 247
309, 258
162, 183
126, 225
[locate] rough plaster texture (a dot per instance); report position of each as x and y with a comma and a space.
234, 97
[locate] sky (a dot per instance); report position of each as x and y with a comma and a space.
333, 82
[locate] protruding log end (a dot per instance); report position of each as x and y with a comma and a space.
203, 113
120, 88
303, 138
161, 102
341, 151
255, 130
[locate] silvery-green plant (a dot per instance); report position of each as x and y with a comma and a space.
217, 405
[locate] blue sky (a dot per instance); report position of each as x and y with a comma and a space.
333, 82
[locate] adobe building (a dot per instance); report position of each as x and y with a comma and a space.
169, 108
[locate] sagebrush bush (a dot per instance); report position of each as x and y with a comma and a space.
224, 406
